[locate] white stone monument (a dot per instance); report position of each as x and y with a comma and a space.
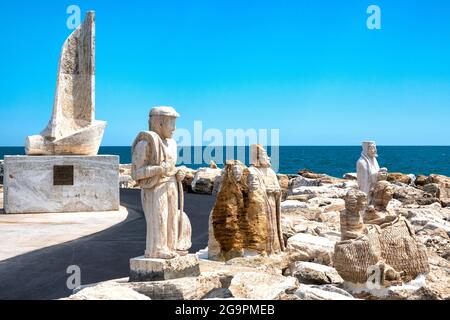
367, 168
154, 156
62, 171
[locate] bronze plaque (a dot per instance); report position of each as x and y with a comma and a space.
63, 175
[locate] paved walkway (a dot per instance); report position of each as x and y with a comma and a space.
35, 250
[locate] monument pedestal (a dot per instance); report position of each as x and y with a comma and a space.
150, 269
50, 184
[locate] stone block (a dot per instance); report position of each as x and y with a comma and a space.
50, 184
151, 269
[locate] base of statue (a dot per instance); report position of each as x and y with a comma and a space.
151, 269
52, 184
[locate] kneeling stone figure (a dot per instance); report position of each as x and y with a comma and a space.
386, 249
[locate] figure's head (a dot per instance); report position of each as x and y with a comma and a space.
355, 201
236, 167
162, 120
370, 149
381, 194
259, 156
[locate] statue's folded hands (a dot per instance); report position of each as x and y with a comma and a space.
147, 172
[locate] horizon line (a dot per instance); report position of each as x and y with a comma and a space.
288, 145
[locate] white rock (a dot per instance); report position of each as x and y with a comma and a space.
432, 214
126, 181
189, 288
306, 292
293, 207
304, 182
327, 204
393, 204
350, 176
313, 273
314, 248
261, 286
204, 180
151, 269
328, 191
107, 291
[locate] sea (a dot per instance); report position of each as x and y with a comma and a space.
332, 160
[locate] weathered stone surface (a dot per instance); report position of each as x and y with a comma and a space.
399, 177
29, 185
437, 284
188, 288
125, 178
323, 178
421, 180
444, 187
287, 226
126, 182
431, 215
204, 179
391, 249
330, 218
219, 293
323, 191
245, 217
301, 181
313, 273
312, 208
213, 164
188, 178
295, 207
433, 189
261, 286
306, 292
283, 180
72, 128
299, 197
311, 248
151, 269
273, 264
324, 204
351, 219
380, 197
109, 290
350, 176
410, 195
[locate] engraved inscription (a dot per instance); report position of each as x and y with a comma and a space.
63, 175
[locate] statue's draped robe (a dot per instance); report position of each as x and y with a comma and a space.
367, 172
159, 194
266, 180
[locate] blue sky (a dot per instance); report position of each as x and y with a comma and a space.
309, 68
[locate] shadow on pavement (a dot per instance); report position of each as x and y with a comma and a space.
41, 274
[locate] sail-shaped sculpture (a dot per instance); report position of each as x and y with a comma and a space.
72, 129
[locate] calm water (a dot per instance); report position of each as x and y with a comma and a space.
334, 161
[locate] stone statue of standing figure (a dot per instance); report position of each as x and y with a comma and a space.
368, 170
154, 156
262, 177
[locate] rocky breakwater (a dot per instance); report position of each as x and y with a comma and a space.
308, 269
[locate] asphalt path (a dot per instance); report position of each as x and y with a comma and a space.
42, 274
